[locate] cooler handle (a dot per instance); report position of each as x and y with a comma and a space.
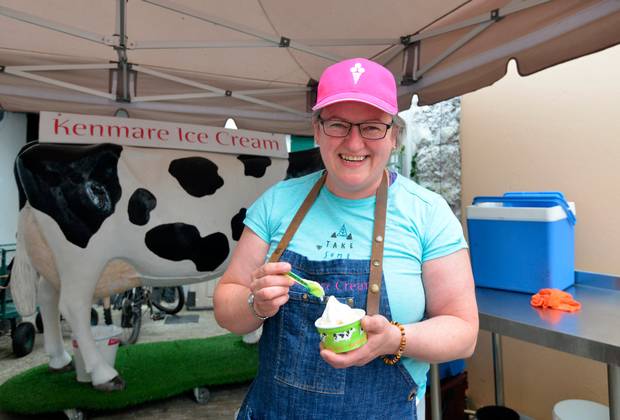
516, 199
536, 194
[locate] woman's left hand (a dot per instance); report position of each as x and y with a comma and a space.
383, 338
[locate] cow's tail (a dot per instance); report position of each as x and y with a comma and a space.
24, 276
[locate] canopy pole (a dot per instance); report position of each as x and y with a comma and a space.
122, 92
16, 71
218, 91
457, 45
411, 62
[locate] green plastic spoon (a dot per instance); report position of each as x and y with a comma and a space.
313, 287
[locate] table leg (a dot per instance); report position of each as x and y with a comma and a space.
435, 392
498, 371
613, 384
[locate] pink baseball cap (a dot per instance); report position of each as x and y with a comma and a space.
358, 80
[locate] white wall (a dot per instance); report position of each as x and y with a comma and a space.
12, 138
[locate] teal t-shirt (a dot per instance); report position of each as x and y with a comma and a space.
420, 226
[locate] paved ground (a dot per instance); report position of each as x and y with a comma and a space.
222, 403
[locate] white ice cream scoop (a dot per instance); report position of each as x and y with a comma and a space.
337, 313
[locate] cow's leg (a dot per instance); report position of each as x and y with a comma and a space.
47, 296
76, 294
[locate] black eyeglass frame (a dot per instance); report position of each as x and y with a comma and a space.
351, 125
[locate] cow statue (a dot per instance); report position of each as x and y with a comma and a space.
100, 219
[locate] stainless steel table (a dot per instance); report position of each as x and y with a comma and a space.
593, 332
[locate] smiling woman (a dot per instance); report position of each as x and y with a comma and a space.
354, 163
375, 241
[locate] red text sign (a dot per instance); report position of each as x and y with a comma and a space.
56, 127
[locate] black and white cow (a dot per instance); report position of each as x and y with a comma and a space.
99, 219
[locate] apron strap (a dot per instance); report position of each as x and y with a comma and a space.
376, 255
299, 216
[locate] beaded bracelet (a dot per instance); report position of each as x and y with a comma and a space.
393, 359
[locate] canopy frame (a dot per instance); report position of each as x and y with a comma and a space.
434, 79
570, 23
411, 74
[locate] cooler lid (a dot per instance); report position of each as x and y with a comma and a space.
534, 206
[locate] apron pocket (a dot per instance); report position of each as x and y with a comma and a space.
299, 363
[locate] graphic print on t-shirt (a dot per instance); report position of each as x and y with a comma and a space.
337, 246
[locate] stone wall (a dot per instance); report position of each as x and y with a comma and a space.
432, 154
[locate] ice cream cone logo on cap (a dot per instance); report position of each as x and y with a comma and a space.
357, 71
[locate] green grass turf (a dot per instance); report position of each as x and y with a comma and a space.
151, 371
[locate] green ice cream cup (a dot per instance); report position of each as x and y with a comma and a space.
344, 337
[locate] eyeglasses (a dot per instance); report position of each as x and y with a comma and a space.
368, 130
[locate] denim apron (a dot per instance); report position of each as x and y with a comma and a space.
294, 382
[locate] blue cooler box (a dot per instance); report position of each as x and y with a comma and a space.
522, 241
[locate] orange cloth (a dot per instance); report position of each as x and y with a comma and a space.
555, 299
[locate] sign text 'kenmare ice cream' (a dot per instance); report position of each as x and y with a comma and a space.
56, 127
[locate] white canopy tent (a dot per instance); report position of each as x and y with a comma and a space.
257, 61
203, 61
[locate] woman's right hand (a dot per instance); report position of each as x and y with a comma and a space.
270, 286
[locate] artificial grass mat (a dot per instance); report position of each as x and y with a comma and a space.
151, 371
